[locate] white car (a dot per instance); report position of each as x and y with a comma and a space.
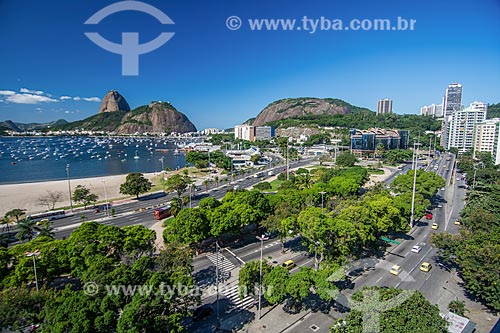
440, 206
416, 249
442, 189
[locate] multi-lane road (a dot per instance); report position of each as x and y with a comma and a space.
448, 204
133, 212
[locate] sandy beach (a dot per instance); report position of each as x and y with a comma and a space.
26, 196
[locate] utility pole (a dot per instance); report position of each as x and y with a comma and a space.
262, 239
430, 145
414, 187
287, 162
217, 325
106, 198
322, 201
69, 187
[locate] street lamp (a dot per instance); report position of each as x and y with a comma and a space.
322, 201
262, 239
106, 198
69, 187
34, 254
217, 284
415, 143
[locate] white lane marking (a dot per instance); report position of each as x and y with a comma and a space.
418, 264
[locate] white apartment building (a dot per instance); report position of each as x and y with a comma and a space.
384, 106
435, 110
487, 137
253, 133
452, 101
244, 132
461, 126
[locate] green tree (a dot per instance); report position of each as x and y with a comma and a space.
262, 186
26, 229
16, 213
176, 205
135, 184
45, 230
178, 183
413, 314
21, 307
83, 195
346, 159
274, 283
189, 227
249, 277
457, 307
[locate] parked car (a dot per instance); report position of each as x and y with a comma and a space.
428, 216
435, 226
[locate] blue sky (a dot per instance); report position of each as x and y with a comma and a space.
219, 77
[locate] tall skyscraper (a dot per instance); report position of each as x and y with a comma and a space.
461, 126
452, 101
384, 106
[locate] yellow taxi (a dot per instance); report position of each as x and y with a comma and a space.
457, 222
42, 222
289, 264
435, 226
425, 267
395, 270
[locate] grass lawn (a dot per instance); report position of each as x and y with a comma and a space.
275, 184
376, 171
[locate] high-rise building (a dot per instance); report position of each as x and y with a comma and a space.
452, 101
435, 110
461, 126
253, 133
384, 106
486, 138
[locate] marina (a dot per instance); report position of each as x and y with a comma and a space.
35, 159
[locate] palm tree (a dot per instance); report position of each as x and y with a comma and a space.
185, 200
216, 179
17, 213
26, 231
175, 205
46, 230
205, 183
5, 221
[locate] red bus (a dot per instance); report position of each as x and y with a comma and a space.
162, 213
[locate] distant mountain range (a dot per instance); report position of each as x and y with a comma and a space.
22, 127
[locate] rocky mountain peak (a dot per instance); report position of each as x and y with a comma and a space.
113, 101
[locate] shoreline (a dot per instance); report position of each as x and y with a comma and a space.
26, 195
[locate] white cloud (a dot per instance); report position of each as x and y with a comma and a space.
29, 99
7, 92
76, 98
63, 98
34, 92
92, 99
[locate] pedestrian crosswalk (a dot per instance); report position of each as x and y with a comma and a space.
233, 295
223, 263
